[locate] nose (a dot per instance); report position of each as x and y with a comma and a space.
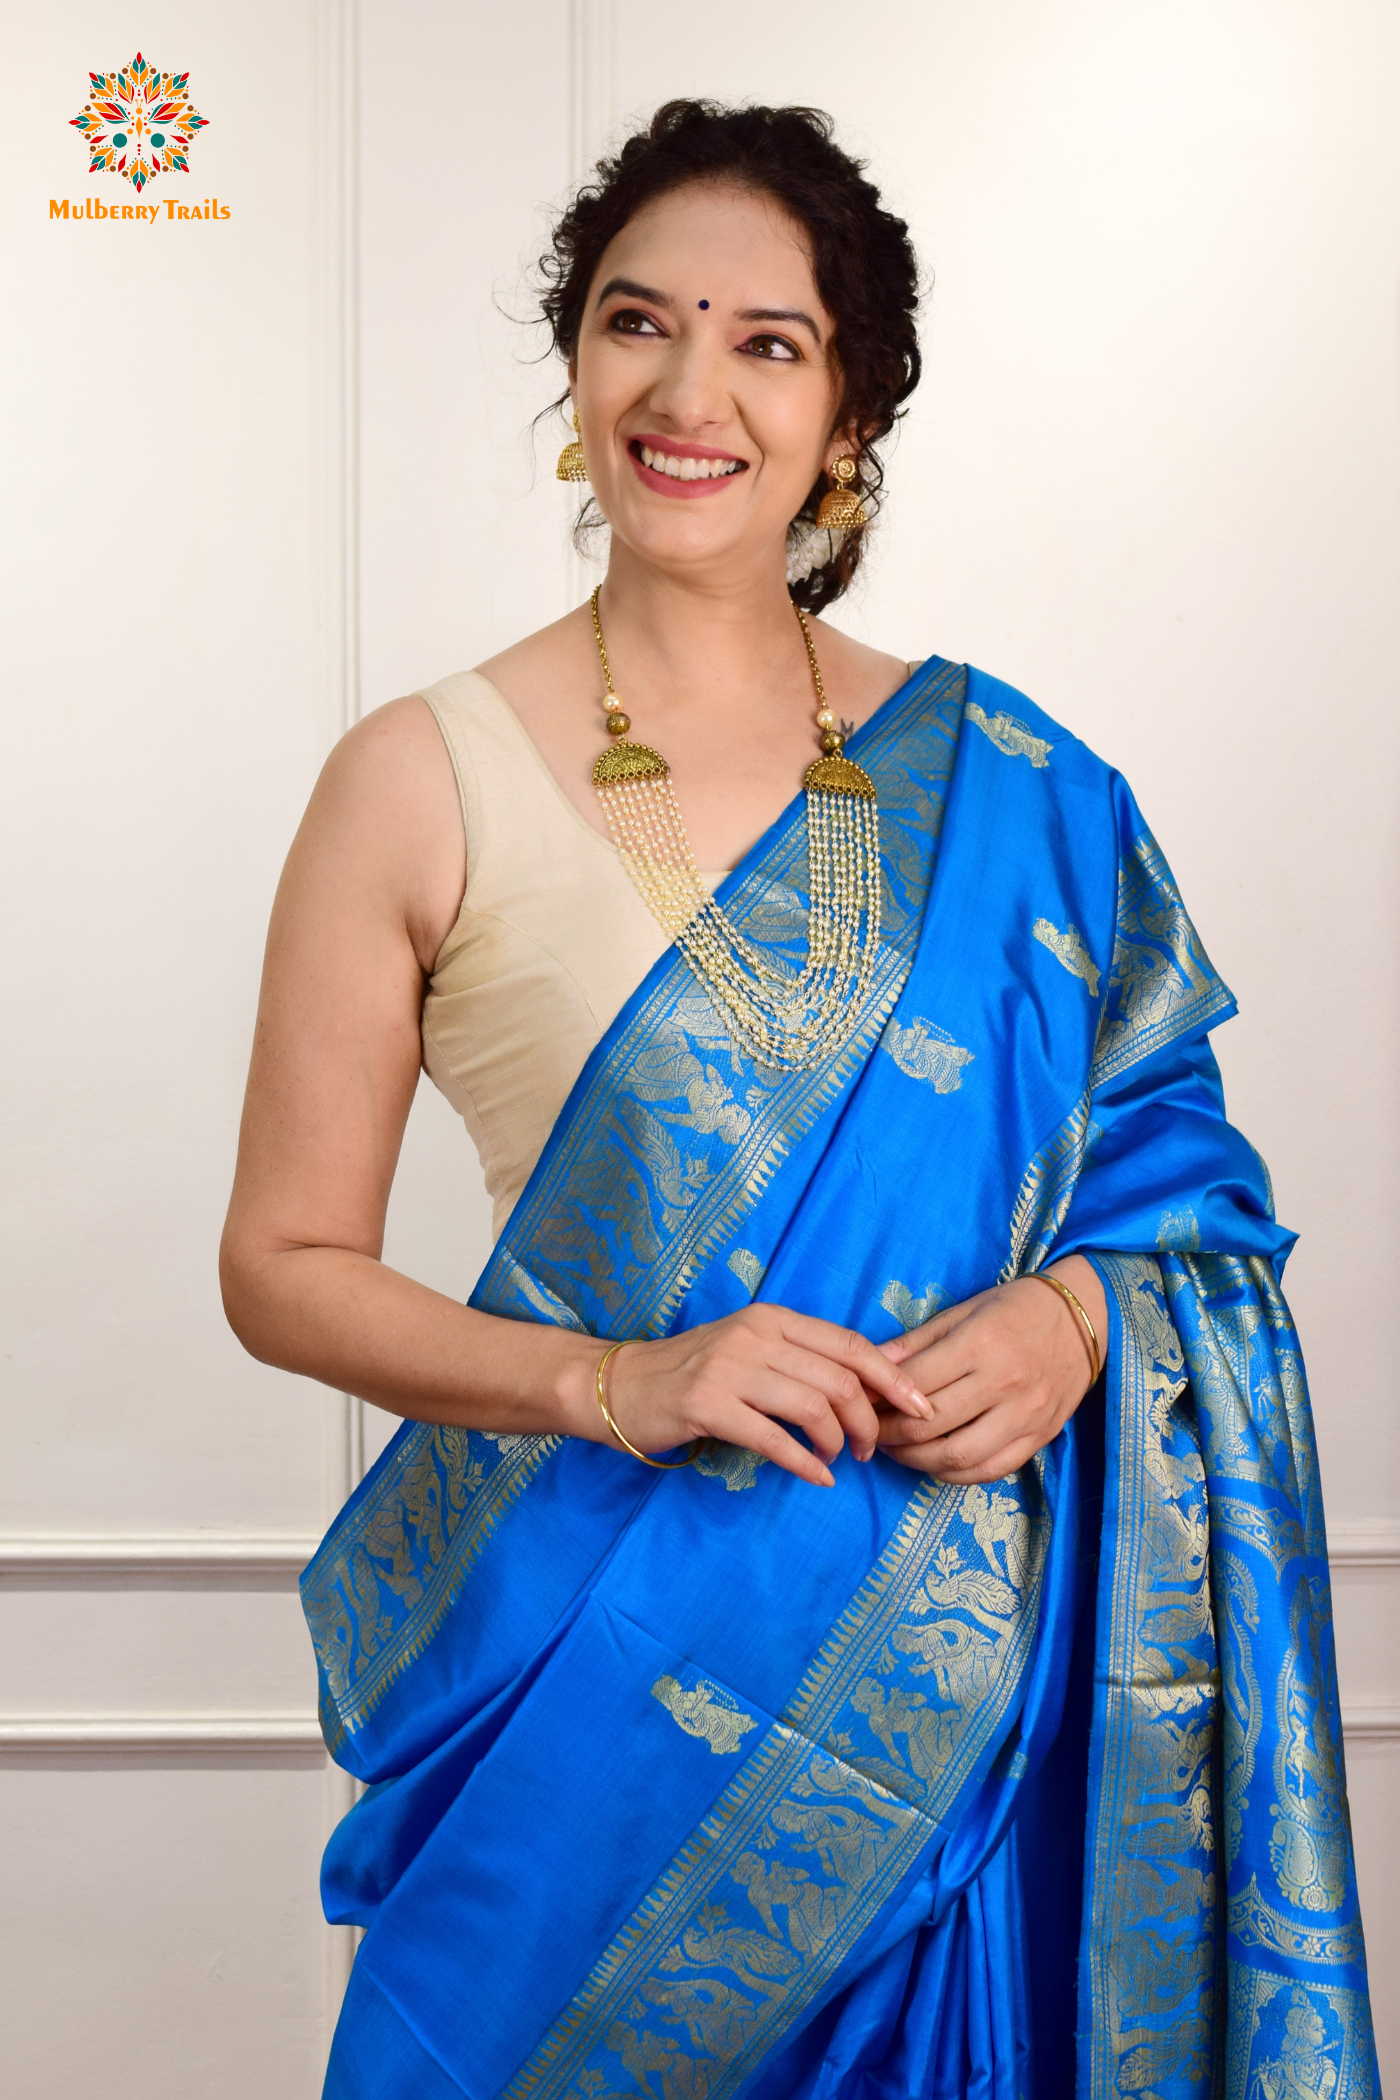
690, 390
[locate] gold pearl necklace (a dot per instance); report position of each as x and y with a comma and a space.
794, 1020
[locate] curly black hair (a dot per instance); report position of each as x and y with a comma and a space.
865, 267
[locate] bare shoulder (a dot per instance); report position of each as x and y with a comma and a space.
535, 670
858, 678
385, 820
393, 764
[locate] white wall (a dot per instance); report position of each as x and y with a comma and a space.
263, 471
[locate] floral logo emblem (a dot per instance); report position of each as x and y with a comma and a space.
138, 122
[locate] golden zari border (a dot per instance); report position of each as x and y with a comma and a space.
1161, 984
375, 1597
842, 1797
680, 1132
1046, 1192
672, 1144
1152, 1942
1221, 1735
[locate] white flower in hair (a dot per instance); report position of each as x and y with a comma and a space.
810, 547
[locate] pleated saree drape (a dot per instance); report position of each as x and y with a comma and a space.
692, 1784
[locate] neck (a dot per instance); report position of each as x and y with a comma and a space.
682, 638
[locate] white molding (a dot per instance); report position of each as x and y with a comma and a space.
343, 1418
95, 1556
1371, 1721
276, 1734
168, 1734
592, 89
337, 29
336, 23
99, 1556
592, 82
1364, 1545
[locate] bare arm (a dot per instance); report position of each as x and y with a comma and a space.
372, 886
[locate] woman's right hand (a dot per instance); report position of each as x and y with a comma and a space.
738, 1378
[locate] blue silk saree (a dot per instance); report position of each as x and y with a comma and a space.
687, 1785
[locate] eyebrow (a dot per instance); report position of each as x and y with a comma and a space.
783, 313
633, 290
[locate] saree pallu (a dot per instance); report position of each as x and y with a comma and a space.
702, 1783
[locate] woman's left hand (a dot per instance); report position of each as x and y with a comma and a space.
1003, 1373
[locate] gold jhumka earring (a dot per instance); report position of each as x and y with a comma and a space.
793, 1019
571, 465
841, 509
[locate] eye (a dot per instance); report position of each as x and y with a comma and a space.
776, 348
628, 320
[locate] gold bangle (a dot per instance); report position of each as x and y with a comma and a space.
1039, 1276
662, 1465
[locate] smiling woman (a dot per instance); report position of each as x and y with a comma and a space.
842, 1083
852, 252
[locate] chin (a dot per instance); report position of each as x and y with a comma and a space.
688, 542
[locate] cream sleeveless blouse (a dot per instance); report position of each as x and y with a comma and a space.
551, 941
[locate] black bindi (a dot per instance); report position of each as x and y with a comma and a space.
704, 305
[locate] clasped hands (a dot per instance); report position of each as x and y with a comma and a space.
1003, 1372
967, 1397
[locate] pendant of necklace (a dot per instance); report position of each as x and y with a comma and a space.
791, 1019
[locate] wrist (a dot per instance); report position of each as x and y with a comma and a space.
576, 1389
1077, 1287
1083, 1279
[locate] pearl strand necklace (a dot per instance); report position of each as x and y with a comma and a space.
791, 1020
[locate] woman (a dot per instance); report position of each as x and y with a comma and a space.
894, 1138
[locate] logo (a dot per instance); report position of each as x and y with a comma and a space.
138, 123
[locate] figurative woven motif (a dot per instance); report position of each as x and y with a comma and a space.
911, 1308
747, 1267
1297, 2041
1160, 983
138, 122
924, 1051
1046, 1192
374, 1599
824, 1821
682, 1132
1011, 736
1221, 1804
707, 1711
1152, 1939
667, 1150
735, 1464
1069, 947
779, 1832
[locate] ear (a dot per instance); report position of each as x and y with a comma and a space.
572, 369
844, 444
